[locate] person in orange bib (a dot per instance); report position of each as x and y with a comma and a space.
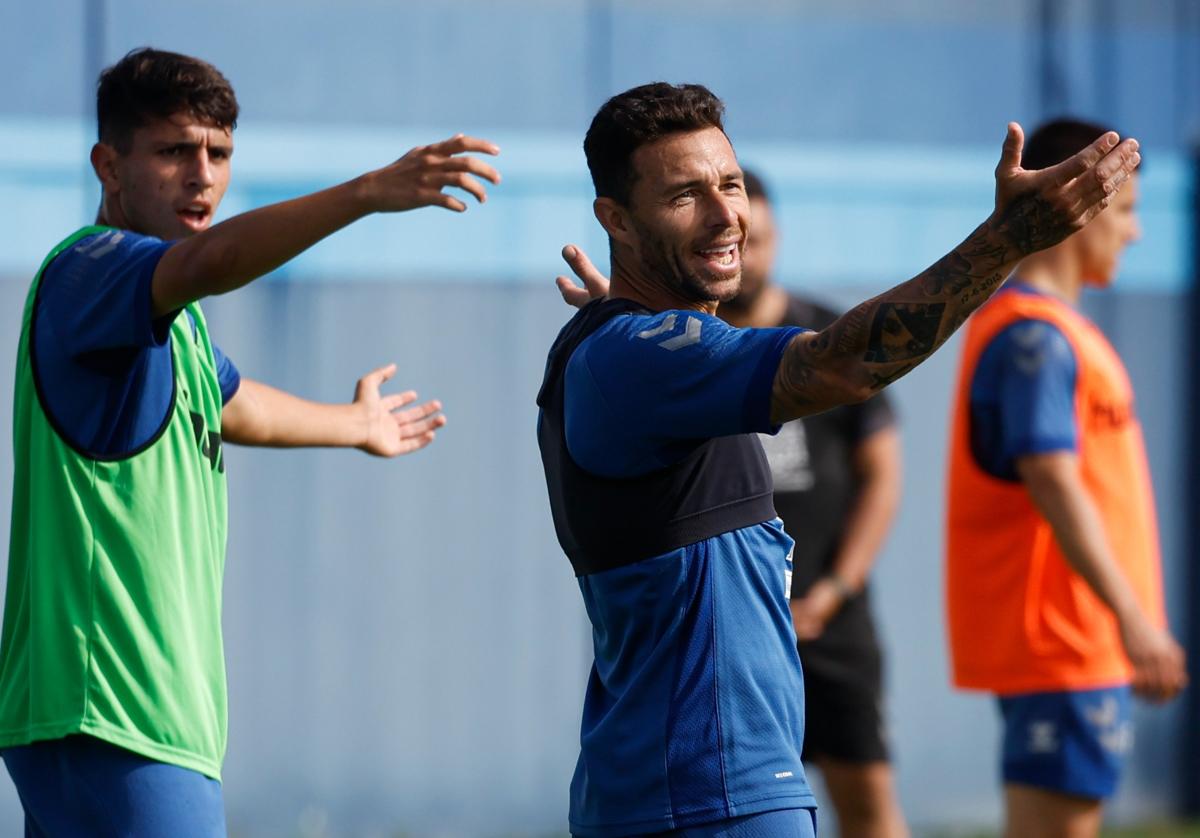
1054, 592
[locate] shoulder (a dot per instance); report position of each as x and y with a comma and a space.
1030, 355
1031, 344
105, 251
659, 334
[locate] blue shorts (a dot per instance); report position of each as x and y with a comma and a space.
80, 785
783, 823
1071, 742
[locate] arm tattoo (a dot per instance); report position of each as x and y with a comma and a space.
881, 340
1032, 224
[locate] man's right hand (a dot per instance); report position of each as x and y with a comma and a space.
418, 178
595, 284
1159, 663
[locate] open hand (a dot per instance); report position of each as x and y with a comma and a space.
595, 284
1038, 208
418, 178
391, 431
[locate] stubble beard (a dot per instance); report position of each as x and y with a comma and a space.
662, 261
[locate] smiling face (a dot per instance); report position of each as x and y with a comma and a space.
688, 215
171, 179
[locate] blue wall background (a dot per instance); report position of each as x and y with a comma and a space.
406, 646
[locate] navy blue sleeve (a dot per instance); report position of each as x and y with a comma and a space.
1023, 397
103, 364
96, 294
643, 390
227, 375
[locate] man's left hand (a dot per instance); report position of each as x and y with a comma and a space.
815, 609
595, 284
391, 431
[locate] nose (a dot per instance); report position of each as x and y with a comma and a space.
201, 171
1135, 231
721, 211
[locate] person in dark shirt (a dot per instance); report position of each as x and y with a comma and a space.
837, 486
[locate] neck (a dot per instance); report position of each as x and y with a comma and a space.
631, 281
764, 310
1055, 272
109, 214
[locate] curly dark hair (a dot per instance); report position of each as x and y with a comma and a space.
150, 84
639, 116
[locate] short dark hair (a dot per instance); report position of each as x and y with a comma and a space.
1058, 139
150, 84
639, 116
755, 188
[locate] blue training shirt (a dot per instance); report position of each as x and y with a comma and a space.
694, 710
1023, 394
103, 362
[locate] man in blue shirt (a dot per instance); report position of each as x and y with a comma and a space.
661, 495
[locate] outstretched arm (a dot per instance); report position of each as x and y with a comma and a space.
880, 340
262, 415
1057, 490
254, 243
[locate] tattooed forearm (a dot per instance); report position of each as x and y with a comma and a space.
1032, 224
902, 331
881, 340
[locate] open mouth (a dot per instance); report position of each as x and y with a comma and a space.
723, 256
194, 216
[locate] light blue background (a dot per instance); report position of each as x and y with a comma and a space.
406, 646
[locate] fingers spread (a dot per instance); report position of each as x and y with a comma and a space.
420, 427
372, 380
1073, 167
470, 164
596, 282
441, 199
572, 294
418, 412
398, 400
1096, 189
463, 181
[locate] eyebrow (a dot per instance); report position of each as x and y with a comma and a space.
694, 182
191, 144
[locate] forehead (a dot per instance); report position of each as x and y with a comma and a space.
704, 155
183, 127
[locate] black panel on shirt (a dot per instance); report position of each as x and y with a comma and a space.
604, 523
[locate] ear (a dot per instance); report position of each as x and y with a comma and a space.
104, 164
614, 218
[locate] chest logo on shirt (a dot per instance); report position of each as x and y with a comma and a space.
788, 455
690, 334
208, 442
103, 244
1112, 415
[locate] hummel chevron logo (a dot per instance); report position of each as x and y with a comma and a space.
102, 244
667, 325
691, 333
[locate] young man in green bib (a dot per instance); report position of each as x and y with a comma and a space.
112, 680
